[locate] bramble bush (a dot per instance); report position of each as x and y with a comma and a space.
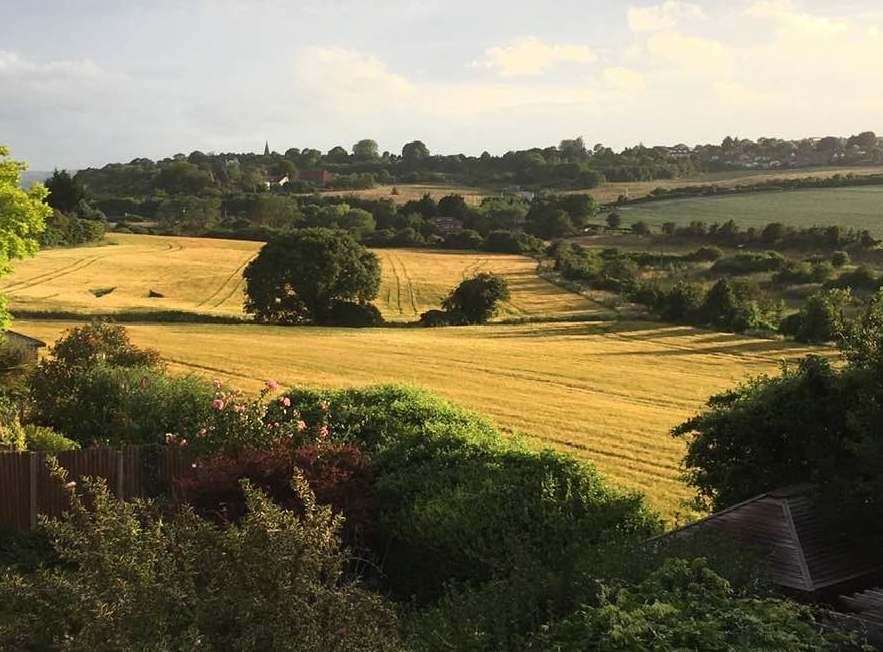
132, 577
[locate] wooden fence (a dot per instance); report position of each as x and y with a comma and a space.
27, 489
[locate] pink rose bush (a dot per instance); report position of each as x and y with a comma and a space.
238, 422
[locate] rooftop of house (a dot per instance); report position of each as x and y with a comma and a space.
803, 552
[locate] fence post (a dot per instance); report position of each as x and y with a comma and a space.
120, 484
32, 477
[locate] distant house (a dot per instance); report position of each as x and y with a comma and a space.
803, 555
447, 225
276, 182
679, 151
319, 177
30, 345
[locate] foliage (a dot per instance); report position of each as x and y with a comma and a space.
46, 440
459, 502
509, 242
133, 578
22, 218
60, 378
297, 277
126, 405
64, 230
821, 319
685, 605
815, 423
748, 263
340, 476
65, 192
12, 433
738, 307
351, 314
476, 298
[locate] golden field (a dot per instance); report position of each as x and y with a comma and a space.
607, 391
205, 276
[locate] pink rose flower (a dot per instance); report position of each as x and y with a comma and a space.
301, 425
285, 401
218, 404
272, 385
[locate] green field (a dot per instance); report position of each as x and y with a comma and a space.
859, 208
606, 391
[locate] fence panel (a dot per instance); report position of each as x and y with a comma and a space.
28, 489
15, 490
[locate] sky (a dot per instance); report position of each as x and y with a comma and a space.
87, 82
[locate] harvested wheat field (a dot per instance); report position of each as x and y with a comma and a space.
608, 392
204, 276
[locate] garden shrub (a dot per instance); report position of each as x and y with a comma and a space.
339, 475
458, 501
46, 440
685, 605
134, 578
120, 405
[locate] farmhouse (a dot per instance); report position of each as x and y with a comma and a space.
30, 345
276, 182
447, 225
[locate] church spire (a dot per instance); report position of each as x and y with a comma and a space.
266, 148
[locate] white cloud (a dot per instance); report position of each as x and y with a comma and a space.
662, 16
787, 16
531, 56
690, 53
625, 80
349, 81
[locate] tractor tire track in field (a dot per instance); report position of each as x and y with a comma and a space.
230, 277
40, 279
412, 295
398, 290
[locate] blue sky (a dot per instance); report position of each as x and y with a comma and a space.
87, 82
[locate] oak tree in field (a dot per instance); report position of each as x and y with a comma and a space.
22, 218
311, 275
475, 300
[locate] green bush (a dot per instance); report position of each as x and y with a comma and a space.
12, 434
120, 405
705, 254
355, 315
476, 298
458, 502
821, 319
685, 605
46, 440
749, 263
133, 578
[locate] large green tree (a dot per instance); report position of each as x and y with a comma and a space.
65, 191
23, 215
475, 300
366, 150
816, 423
303, 276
